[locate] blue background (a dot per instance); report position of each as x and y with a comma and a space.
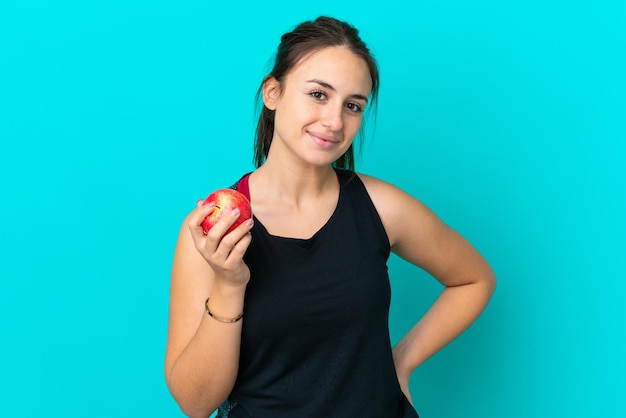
506, 118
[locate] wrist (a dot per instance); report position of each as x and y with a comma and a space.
227, 289
226, 301
219, 318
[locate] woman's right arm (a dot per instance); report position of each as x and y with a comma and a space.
202, 354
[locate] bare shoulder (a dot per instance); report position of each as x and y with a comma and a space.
397, 208
419, 236
376, 186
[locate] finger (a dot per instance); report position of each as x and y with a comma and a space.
199, 213
239, 249
230, 240
234, 236
194, 223
225, 220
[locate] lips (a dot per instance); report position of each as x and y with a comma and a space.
323, 140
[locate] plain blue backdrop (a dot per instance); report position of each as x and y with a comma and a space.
506, 118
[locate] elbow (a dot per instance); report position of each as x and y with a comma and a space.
193, 407
484, 284
196, 413
191, 401
490, 281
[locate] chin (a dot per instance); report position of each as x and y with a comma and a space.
323, 158
322, 161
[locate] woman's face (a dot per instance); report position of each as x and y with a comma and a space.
319, 106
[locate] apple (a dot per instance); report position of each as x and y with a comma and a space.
225, 201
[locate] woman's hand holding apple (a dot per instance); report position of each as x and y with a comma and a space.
222, 249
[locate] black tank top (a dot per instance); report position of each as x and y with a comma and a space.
315, 338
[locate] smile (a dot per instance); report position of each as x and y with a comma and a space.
323, 140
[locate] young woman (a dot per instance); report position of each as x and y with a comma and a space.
309, 269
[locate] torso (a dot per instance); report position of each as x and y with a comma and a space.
315, 341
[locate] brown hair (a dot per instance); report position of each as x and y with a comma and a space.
306, 38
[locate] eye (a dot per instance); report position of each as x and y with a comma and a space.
318, 95
356, 108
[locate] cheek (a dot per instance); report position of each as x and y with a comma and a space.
354, 124
290, 113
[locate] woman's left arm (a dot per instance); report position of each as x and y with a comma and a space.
417, 235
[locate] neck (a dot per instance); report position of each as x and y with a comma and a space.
296, 184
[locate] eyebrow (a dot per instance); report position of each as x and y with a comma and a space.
330, 87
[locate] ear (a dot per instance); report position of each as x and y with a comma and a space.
271, 92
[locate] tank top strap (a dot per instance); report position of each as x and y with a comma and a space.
242, 186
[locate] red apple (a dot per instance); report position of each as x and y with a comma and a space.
225, 201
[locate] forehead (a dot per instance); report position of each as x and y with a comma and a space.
338, 66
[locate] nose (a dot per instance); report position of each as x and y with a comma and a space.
332, 117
